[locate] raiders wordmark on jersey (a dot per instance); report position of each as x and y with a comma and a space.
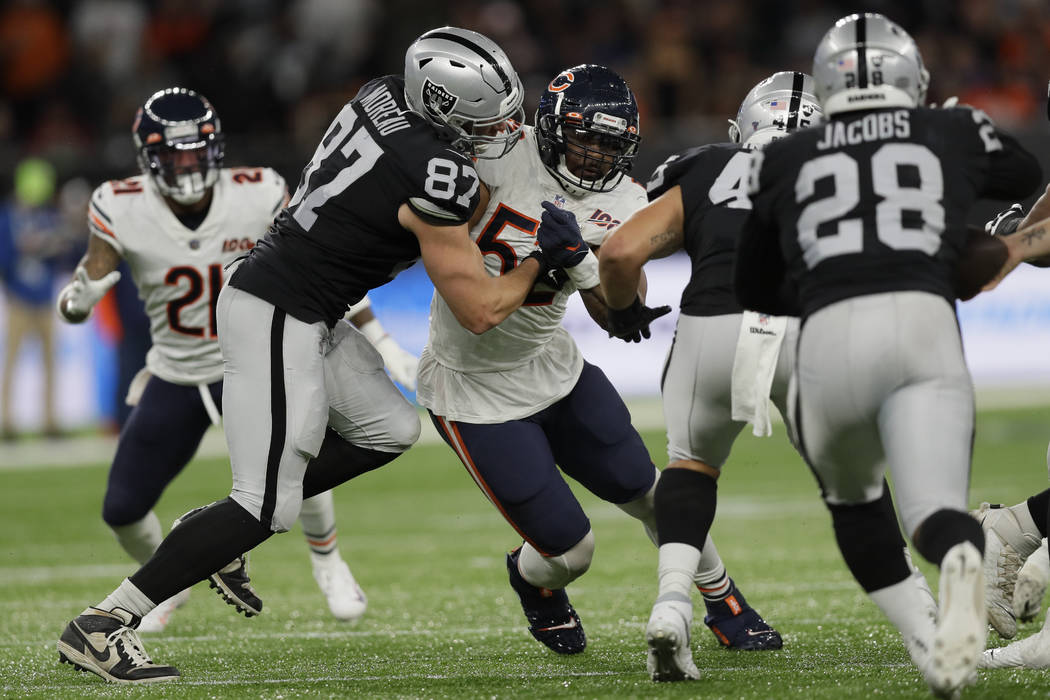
179, 271
339, 237
529, 361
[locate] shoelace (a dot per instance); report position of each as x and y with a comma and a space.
129, 638
1008, 565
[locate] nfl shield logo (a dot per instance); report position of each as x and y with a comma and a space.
438, 101
559, 201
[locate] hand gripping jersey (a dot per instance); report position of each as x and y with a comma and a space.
179, 271
339, 236
529, 361
873, 202
713, 179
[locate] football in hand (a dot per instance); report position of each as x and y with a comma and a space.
981, 258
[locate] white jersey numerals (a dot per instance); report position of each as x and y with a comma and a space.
923, 198
730, 187
441, 180
358, 149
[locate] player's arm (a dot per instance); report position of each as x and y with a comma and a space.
654, 231
403, 365
478, 300
94, 275
1028, 243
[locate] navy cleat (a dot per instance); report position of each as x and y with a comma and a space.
737, 625
552, 620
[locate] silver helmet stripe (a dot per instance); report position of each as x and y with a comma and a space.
476, 49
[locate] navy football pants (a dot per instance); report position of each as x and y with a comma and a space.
588, 434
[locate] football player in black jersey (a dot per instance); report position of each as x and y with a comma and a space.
857, 225
698, 203
391, 181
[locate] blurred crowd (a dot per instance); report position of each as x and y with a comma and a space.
74, 71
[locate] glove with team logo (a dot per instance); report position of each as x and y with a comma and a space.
563, 247
77, 298
632, 324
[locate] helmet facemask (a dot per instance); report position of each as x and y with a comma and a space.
590, 158
488, 139
183, 172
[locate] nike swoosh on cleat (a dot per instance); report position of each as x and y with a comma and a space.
91, 647
566, 626
755, 634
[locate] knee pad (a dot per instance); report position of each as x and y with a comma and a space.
643, 508
557, 571
404, 429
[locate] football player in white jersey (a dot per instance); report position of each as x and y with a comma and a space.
178, 225
524, 383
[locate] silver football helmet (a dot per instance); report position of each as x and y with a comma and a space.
463, 81
775, 107
867, 61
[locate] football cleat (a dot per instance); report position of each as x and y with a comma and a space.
736, 625
345, 598
106, 644
1005, 549
231, 582
1031, 652
1031, 584
159, 617
670, 657
961, 630
552, 620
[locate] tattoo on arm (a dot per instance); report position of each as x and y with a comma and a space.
661, 239
1032, 237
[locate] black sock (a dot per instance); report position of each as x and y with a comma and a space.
685, 506
338, 461
1039, 507
201, 545
945, 529
871, 543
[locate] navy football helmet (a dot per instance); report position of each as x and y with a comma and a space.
587, 128
171, 124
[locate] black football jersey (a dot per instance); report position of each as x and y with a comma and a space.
339, 235
713, 179
875, 201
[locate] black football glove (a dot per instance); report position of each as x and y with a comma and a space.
559, 237
632, 324
551, 276
1006, 221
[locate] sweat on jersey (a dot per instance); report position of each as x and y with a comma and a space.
528, 361
870, 202
180, 271
339, 237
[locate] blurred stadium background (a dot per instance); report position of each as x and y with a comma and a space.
73, 72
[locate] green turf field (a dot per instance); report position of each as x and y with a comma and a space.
442, 619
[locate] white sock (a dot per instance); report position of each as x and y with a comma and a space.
141, 538
643, 509
317, 517
129, 597
907, 607
677, 566
711, 577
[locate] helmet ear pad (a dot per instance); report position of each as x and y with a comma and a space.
550, 146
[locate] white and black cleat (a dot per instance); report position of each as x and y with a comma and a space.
106, 644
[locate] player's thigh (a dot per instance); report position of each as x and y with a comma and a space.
697, 389
591, 436
927, 423
160, 437
513, 465
840, 389
275, 409
365, 407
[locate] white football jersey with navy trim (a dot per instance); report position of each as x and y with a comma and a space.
529, 361
180, 271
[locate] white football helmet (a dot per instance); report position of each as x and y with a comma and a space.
462, 80
775, 107
867, 61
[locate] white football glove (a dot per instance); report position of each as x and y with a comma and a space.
402, 364
77, 298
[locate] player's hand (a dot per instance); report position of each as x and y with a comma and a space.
996, 226
77, 299
559, 237
952, 101
632, 324
402, 365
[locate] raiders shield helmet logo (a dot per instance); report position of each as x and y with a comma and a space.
438, 101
